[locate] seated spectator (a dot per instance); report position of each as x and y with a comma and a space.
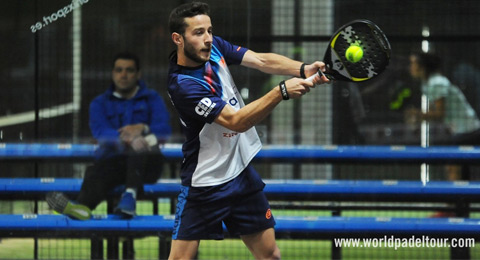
128, 121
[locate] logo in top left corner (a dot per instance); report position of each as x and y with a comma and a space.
204, 107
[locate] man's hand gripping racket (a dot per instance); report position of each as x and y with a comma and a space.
358, 51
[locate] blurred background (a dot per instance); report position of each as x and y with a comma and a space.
52, 67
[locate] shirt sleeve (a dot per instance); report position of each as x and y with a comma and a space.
194, 99
233, 54
437, 88
439, 91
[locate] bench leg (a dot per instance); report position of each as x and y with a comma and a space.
35, 248
96, 248
459, 253
112, 248
164, 244
128, 249
336, 251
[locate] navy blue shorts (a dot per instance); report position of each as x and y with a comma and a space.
239, 203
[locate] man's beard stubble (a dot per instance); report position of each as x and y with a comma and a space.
190, 53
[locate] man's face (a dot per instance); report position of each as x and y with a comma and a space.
125, 75
198, 39
416, 71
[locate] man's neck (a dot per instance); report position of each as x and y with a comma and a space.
127, 95
184, 61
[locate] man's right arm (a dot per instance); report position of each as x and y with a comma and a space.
251, 114
99, 124
273, 63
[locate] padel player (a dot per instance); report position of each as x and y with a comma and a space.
218, 183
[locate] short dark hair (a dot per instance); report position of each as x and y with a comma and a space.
176, 22
127, 56
429, 61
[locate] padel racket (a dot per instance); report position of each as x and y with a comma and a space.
373, 42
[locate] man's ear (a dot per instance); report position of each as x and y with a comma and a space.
177, 39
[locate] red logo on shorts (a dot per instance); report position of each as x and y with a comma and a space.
268, 215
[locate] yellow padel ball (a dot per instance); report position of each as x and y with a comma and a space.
354, 53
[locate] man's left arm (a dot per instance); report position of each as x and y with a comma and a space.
273, 63
129, 132
158, 127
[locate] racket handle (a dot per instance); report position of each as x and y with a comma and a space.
320, 73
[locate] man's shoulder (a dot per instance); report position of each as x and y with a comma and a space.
218, 40
219, 43
439, 79
177, 79
102, 97
146, 91
177, 85
172, 80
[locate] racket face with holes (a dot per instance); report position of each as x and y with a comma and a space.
375, 46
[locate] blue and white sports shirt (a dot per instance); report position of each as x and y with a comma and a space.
212, 153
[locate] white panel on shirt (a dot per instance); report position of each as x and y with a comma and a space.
224, 154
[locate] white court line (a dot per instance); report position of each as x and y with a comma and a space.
44, 113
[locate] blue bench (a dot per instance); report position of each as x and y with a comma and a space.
269, 153
33, 225
286, 194
461, 193
332, 190
104, 227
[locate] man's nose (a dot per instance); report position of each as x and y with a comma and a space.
208, 39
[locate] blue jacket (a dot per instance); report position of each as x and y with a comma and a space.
109, 113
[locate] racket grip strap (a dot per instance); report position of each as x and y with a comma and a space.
283, 90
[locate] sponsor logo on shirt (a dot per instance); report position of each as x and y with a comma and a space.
233, 101
268, 215
204, 107
228, 135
